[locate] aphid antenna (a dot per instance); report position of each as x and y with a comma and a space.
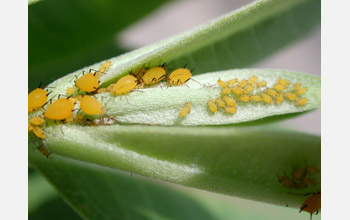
193, 70
163, 65
41, 82
185, 66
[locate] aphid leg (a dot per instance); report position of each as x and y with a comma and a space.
195, 81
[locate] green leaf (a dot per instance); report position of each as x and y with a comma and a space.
85, 33
237, 161
119, 195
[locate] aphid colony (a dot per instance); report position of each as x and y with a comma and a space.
233, 92
251, 90
299, 178
86, 86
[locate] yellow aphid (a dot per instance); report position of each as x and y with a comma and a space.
230, 109
71, 90
268, 99
252, 79
249, 88
286, 181
238, 90
271, 92
222, 83
36, 120
301, 102
139, 73
36, 99
244, 98
231, 82
78, 117
59, 110
279, 87
256, 98
220, 102
43, 151
242, 83
212, 106
153, 75
105, 66
90, 105
291, 96
283, 82
309, 181
297, 86
30, 127
88, 82
226, 91
102, 90
230, 101
279, 98
260, 84
301, 91
179, 76
124, 85
185, 110
39, 132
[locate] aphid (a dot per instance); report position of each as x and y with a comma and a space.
139, 73
36, 99
298, 173
39, 132
185, 110
124, 85
78, 117
260, 84
43, 150
36, 120
256, 98
279, 87
283, 82
226, 91
291, 96
286, 181
237, 90
153, 75
71, 90
220, 102
249, 88
301, 91
312, 204
271, 92
179, 76
231, 82
252, 79
230, 101
279, 98
59, 110
297, 86
311, 170
90, 105
230, 109
73, 99
309, 181
242, 83
104, 67
266, 98
88, 82
212, 106
222, 83
244, 98
301, 101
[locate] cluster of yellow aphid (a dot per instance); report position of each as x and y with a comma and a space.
301, 179
252, 90
87, 85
